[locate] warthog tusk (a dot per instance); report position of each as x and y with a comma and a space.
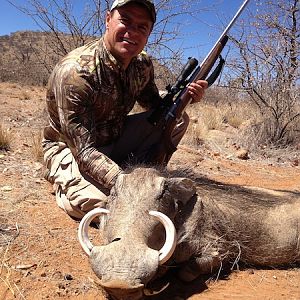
150, 292
83, 236
169, 247
164, 253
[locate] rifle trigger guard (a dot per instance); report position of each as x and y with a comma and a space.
216, 72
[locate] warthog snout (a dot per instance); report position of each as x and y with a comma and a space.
125, 265
118, 289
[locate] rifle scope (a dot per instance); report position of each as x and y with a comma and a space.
190, 66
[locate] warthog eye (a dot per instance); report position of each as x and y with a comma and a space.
116, 239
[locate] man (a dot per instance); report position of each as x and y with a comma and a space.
90, 93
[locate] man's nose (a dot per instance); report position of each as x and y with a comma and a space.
133, 28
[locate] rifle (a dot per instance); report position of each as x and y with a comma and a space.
170, 111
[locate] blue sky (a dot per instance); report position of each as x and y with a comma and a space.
11, 20
203, 30
200, 33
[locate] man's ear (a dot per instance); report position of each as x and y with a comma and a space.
107, 19
182, 189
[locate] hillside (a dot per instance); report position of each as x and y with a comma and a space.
28, 57
24, 57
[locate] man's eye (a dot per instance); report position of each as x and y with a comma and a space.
143, 29
124, 21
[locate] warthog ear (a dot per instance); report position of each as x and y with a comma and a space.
182, 189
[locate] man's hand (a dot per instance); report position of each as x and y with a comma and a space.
197, 90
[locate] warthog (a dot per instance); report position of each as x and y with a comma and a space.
153, 221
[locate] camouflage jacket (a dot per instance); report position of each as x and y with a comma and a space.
88, 98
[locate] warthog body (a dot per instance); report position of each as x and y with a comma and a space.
216, 225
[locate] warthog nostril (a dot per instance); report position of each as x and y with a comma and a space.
116, 240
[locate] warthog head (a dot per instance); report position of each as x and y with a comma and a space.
139, 233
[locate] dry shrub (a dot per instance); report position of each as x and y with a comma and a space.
37, 150
25, 95
212, 117
13, 85
218, 116
264, 132
234, 120
233, 105
5, 138
260, 135
204, 117
195, 134
240, 113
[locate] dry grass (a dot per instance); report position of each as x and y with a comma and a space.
243, 124
14, 85
196, 133
207, 117
37, 150
5, 271
212, 117
7, 235
5, 138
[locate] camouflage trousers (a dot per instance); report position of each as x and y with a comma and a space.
75, 192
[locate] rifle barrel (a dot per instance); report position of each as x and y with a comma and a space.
226, 30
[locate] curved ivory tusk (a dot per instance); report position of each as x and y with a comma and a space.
169, 247
150, 292
83, 236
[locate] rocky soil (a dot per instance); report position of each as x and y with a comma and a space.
40, 257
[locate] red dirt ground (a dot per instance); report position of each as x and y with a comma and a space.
44, 260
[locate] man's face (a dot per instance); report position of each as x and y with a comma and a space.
127, 31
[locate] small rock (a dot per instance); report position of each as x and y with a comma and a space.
38, 166
57, 275
25, 267
61, 286
6, 188
242, 154
68, 277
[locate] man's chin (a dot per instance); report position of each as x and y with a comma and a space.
127, 54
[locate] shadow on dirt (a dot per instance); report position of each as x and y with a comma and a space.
178, 289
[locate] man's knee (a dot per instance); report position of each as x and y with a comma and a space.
185, 121
180, 129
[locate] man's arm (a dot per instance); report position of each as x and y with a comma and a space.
74, 96
149, 97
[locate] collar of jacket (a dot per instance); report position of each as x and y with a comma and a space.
110, 59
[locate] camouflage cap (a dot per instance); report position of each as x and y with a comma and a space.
147, 3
